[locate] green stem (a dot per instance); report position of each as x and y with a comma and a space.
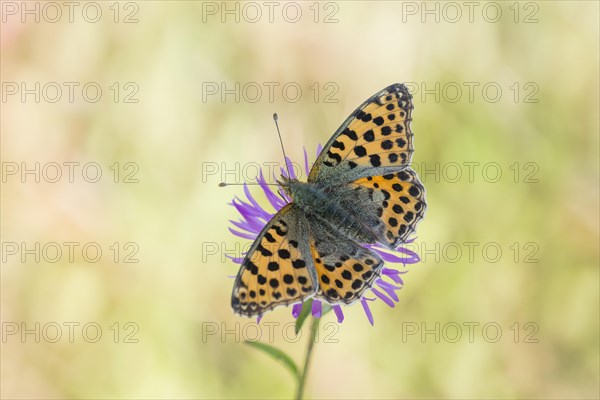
311, 342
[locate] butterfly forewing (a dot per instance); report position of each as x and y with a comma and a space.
278, 268
374, 139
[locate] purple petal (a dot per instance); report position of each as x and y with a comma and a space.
392, 257
393, 274
400, 248
382, 282
243, 235
408, 252
258, 319
250, 225
275, 201
338, 313
289, 164
253, 224
249, 213
395, 259
262, 211
296, 309
365, 305
392, 271
236, 260
316, 308
247, 225
319, 149
383, 297
306, 162
390, 289
243, 208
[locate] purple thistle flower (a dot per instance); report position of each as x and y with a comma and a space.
255, 217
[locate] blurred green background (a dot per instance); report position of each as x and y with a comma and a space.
152, 318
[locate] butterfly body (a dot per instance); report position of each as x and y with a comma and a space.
360, 190
327, 206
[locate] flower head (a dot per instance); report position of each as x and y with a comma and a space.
255, 217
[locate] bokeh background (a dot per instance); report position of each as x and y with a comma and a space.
167, 133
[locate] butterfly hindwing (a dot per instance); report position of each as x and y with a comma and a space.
390, 205
344, 268
278, 268
375, 139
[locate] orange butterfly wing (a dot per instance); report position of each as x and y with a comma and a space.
375, 139
278, 268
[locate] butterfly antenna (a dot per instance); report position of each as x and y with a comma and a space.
223, 184
287, 167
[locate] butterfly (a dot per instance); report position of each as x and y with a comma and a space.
360, 190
